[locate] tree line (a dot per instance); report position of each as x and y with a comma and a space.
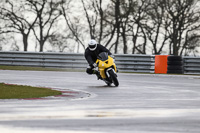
123, 26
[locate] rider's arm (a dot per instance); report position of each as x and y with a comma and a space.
88, 57
104, 49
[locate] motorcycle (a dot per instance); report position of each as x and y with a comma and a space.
107, 69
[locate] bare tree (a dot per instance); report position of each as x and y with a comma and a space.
112, 19
101, 26
136, 26
14, 46
191, 44
16, 21
125, 14
117, 22
183, 17
156, 27
74, 27
61, 42
47, 12
92, 21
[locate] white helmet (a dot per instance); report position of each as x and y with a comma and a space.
92, 45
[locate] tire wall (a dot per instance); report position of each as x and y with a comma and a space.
174, 65
168, 64
161, 63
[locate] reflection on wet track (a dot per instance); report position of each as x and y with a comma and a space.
143, 103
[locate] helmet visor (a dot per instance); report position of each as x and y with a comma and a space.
92, 46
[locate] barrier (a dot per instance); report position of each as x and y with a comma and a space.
191, 65
125, 63
135, 63
174, 65
161, 64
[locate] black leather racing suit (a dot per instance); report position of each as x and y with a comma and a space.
91, 56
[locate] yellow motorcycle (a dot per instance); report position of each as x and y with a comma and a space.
107, 69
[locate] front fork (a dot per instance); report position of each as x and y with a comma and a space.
110, 69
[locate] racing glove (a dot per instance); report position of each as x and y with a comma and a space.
93, 65
112, 56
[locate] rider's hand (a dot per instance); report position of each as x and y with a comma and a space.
93, 65
112, 56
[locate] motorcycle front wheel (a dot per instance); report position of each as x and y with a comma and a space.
113, 77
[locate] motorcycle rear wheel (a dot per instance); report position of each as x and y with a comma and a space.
114, 78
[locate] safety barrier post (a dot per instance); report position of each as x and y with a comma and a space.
161, 64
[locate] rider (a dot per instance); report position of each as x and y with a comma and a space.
91, 53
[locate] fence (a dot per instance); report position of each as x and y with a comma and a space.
125, 63
191, 65
135, 63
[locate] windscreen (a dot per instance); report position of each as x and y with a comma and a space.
103, 56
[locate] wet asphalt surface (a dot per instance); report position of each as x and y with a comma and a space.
143, 103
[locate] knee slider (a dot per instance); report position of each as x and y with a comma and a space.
89, 71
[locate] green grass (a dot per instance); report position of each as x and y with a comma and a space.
21, 92
37, 68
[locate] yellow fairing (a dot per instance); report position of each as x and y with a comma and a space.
102, 65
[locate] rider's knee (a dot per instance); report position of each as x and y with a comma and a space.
89, 71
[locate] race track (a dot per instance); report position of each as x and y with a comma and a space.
143, 103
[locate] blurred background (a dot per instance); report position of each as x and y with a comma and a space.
155, 27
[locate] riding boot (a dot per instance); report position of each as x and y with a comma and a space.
98, 74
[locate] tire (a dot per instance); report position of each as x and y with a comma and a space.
108, 83
175, 71
174, 67
113, 77
174, 58
178, 63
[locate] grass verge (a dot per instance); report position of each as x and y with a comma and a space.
37, 68
20, 92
